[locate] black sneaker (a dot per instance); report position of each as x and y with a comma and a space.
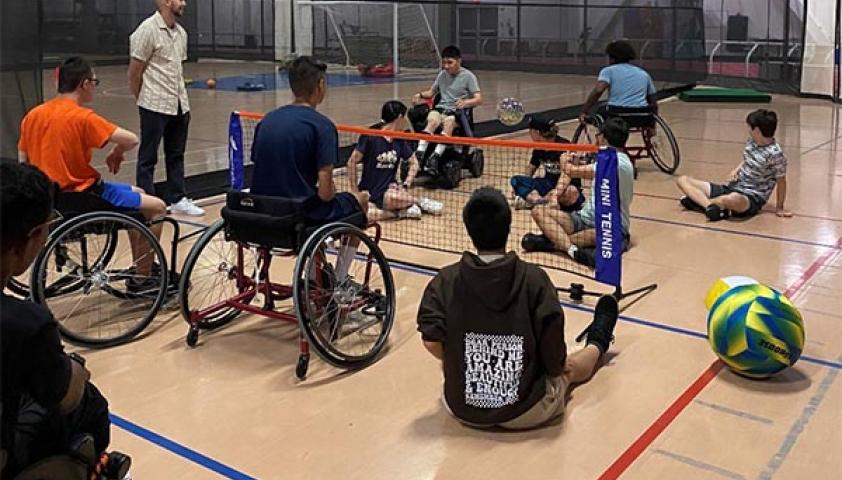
149, 286
112, 466
689, 204
537, 243
601, 331
431, 166
715, 213
585, 257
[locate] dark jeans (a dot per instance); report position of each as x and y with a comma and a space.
40, 434
173, 129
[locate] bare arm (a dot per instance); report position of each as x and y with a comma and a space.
585, 172
327, 189
76, 390
436, 349
470, 102
732, 177
422, 95
356, 157
413, 171
594, 97
653, 103
136, 69
123, 141
530, 170
781, 199
23, 157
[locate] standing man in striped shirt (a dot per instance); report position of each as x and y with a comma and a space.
156, 79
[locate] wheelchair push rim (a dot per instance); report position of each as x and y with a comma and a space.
91, 257
346, 319
215, 271
663, 148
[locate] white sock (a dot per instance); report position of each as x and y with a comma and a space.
440, 148
343, 264
422, 146
572, 250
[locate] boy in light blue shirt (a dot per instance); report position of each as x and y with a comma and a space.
630, 88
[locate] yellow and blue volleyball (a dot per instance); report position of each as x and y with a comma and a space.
723, 285
755, 330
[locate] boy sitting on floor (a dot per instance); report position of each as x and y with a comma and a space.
495, 323
750, 184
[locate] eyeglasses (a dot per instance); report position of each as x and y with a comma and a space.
95, 81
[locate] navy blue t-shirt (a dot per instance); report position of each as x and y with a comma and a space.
291, 144
551, 160
380, 163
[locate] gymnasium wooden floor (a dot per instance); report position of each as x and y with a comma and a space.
661, 408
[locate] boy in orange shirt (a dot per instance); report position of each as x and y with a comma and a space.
58, 137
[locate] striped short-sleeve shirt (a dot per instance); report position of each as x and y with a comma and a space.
762, 167
163, 49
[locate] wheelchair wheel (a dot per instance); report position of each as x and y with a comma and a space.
586, 132
663, 147
477, 165
17, 288
212, 274
346, 317
87, 277
450, 174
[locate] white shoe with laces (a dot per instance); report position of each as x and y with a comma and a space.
411, 212
185, 206
430, 206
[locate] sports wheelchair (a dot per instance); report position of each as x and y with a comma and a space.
456, 157
342, 291
657, 141
82, 274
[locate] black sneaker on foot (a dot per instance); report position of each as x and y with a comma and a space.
148, 287
113, 466
715, 214
601, 331
585, 257
537, 243
431, 166
689, 204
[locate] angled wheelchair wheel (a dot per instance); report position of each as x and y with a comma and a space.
663, 148
216, 270
477, 165
586, 132
88, 277
344, 296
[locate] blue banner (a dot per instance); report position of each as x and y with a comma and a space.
609, 219
236, 169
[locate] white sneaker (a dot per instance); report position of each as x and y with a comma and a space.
185, 206
411, 212
430, 206
521, 204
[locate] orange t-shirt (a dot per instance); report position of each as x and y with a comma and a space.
58, 137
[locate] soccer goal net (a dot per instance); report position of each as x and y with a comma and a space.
353, 33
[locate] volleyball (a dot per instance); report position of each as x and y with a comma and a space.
723, 285
755, 330
510, 111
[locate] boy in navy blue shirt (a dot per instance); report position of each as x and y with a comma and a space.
296, 148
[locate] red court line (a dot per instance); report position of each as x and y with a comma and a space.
633, 452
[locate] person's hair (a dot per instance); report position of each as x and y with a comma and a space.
547, 128
26, 201
765, 120
616, 132
620, 51
304, 75
488, 219
451, 51
72, 72
391, 111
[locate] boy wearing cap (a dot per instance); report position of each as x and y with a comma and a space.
530, 189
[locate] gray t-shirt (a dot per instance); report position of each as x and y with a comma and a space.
625, 172
760, 171
463, 85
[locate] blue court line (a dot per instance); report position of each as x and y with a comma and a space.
798, 426
701, 465
735, 412
734, 232
835, 365
179, 449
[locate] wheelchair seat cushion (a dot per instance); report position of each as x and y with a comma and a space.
270, 222
634, 117
73, 204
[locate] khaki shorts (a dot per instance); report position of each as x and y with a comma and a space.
438, 117
547, 409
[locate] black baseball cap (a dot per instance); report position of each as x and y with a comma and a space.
543, 125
